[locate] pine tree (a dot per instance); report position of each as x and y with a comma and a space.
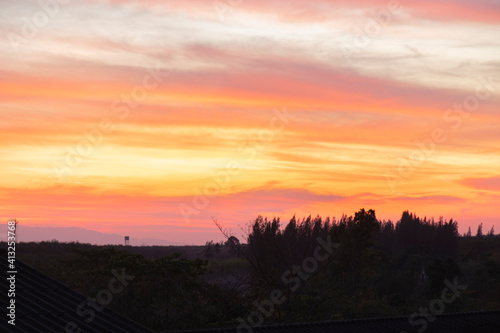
479, 230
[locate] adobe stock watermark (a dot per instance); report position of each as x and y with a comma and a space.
373, 27
104, 297
436, 307
452, 120
222, 7
32, 25
222, 178
291, 278
94, 137
362, 35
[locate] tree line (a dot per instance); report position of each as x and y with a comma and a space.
306, 269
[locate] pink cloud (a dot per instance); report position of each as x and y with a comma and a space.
305, 11
490, 184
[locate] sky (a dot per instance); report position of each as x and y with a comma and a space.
153, 118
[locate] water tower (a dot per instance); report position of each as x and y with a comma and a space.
126, 240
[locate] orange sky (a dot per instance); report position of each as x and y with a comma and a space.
147, 118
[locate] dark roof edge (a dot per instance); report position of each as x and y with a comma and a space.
3, 254
338, 322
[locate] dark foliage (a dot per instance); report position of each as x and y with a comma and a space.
322, 268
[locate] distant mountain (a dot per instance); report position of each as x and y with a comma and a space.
74, 234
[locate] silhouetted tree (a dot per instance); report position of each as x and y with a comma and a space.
479, 230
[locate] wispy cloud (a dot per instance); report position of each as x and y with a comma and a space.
365, 90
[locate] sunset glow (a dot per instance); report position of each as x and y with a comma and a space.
148, 118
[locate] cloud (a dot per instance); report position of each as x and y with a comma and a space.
489, 184
354, 119
303, 11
